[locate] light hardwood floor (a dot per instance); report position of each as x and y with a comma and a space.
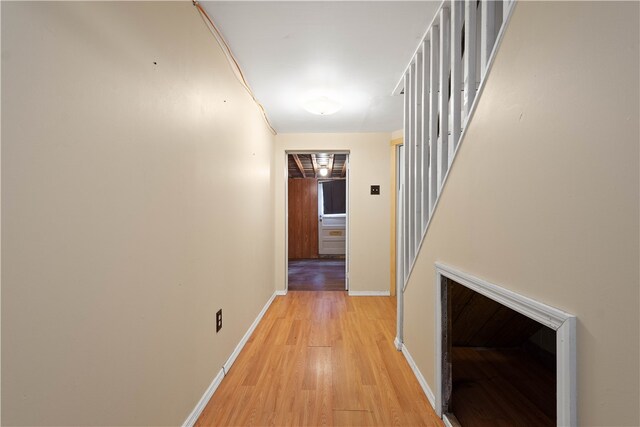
321, 359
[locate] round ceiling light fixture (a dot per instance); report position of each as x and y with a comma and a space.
322, 106
324, 171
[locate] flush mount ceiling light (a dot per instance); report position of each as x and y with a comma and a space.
322, 106
324, 171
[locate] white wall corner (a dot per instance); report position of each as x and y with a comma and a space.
397, 134
280, 292
202, 403
423, 382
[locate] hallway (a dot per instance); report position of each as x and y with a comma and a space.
321, 358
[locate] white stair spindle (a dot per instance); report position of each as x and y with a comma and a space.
456, 74
434, 85
405, 199
506, 4
470, 53
417, 172
445, 66
426, 73
487, 33
410, 147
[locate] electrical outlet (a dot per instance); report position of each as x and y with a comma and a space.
218, 321
375, 190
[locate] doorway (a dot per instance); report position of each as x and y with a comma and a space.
316, 199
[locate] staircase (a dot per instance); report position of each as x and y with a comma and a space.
440, 85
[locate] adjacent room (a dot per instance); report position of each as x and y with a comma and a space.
317, 221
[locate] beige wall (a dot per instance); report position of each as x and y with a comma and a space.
543, 196
368, 215
137, 200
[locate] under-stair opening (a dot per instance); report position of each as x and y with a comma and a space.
503, 359
502, 363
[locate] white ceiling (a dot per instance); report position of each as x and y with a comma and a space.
353, 51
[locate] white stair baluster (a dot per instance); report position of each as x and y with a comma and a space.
426, 64
456, 74
487, 33
433, 115
445, 68
405, 198
470, 53
417, 171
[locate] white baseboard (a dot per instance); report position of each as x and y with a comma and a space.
202, 403
246, 336
369, 293
398, 344
281, 292
419, 376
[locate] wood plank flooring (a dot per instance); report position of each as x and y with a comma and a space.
323, 274
321, 359
501, 387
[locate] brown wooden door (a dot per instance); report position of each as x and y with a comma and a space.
303, 218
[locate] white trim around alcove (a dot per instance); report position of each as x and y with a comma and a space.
563, 323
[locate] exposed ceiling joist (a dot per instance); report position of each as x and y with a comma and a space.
299, 164
330, 165
314, 163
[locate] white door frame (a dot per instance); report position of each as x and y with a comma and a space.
563, 323
286, 213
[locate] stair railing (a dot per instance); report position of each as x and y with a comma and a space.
441, 85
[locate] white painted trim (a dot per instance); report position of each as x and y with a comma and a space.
542, 313
566, 374
347, 226
202, 403
286, 221
563, 323
398, 343
487, 33
400, 86
443, 160
281, 292
369, 293
423, 382
247, 335
438, 345
446, 421
399, 189
474, 106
